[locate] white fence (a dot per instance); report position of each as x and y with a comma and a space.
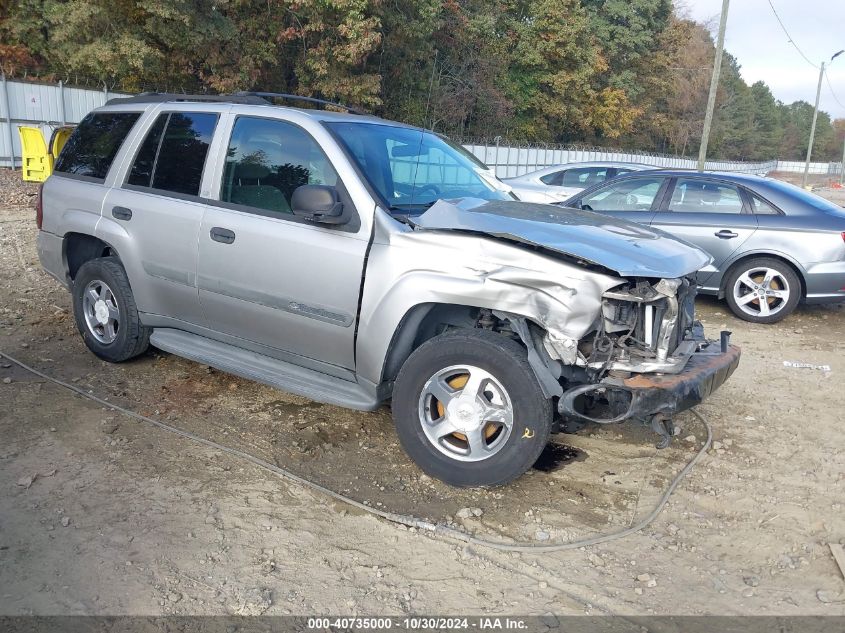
50, 105
41, 105
510, 161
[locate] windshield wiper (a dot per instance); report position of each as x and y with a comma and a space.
409, 207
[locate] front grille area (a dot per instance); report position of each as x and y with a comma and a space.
650, 320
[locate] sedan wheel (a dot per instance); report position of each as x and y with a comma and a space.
763, 291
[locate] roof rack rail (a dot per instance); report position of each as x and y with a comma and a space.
290, 97
162, 97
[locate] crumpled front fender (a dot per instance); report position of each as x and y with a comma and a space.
411, 268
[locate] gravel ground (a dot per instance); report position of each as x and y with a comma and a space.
100, 514
14, 192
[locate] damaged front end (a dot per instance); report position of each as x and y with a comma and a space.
646, 358
605, 308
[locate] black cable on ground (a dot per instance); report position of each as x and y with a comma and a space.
407, 520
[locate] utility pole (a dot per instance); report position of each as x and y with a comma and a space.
842, 172
813, 129
714, 85
815, 117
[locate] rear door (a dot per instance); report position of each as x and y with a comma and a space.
267, 276
158, 205
712, 214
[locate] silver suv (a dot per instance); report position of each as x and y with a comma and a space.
358, 261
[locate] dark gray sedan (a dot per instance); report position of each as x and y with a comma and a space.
774, 245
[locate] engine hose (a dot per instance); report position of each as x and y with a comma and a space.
402, 519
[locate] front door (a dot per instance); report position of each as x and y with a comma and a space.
633, 198
709, 213
266, 276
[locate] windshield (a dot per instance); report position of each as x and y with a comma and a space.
475, 160
412, 169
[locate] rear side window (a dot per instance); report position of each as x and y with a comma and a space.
91, 148
172, 156
761, 207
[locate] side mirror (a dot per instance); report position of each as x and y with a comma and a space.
318, 203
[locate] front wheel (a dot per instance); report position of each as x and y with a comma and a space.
763, 290
469, 410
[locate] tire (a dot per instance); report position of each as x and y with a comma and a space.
122, 336
748, 279
450, 364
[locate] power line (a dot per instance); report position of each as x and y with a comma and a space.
832, 93
789, 37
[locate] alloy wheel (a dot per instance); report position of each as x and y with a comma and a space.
466, 413
102, 315
761, 292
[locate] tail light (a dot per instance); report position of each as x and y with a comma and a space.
39, 208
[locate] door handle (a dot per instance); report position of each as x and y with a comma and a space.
726, 234
224, 236
122, 213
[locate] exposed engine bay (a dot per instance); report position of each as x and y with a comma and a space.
645, 358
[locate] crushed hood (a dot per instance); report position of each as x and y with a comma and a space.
632, 250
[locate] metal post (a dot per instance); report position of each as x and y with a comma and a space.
813, 129
9, 137
62, 102
842, 166
815, 116
714, 86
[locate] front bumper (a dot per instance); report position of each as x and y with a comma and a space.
645, 395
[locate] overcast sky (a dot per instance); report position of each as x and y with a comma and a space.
756, 39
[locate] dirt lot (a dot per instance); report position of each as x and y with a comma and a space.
123, 518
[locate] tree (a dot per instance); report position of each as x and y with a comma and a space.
554, 74
767, 126
337, 37
629, 34
733, 130
633, 73
675, 91
797, 119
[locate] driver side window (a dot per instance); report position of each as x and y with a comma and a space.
635, 194
267, 160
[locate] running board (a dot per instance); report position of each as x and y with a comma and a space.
270, 371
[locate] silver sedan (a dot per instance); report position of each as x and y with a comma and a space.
774, 245
559, 182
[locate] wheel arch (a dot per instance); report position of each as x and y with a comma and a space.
79, 248
425, 321
419, 324
794, 265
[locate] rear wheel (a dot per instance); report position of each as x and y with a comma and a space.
763, 290
105, 311
468, 409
